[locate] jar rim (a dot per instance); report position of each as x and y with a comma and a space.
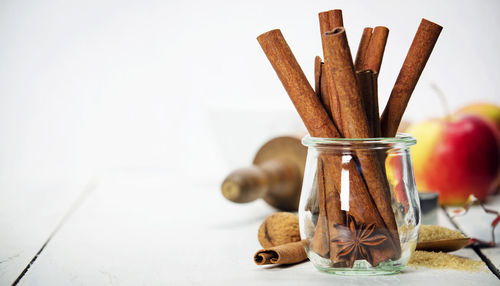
402, 140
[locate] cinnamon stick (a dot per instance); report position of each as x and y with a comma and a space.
332, 167
359, 204
317, 123
319, 86
375, 49
321, 240
317, 76
367, 65
338, 61
363, 47
329, 20
310, 109
324, 91
308, 105
418, 54
289, 253
367, 81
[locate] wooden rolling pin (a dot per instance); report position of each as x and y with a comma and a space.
276, 175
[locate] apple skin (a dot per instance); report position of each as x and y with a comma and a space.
456, 156
487, 111
490, 113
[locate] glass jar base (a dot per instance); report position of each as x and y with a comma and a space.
360, 268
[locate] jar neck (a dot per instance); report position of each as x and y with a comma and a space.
401, 141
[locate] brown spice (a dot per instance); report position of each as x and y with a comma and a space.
289, 253
436, 232
444, 261
279, 228
355, 240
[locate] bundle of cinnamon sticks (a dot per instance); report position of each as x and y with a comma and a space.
345, 104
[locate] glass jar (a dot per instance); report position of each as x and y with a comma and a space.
359, 209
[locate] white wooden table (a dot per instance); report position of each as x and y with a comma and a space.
157, 227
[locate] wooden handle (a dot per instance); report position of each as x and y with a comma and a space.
276, 175
274, 180
245, 185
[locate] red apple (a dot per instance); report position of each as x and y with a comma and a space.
456, 156
487, 111
490, 113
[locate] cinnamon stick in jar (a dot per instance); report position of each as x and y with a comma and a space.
324, 91
367, 81
315, 118
375, 50
317, 76
339, 65
319, 85
418, 54
362, 48
361, 206
332, 167
311, 110
367, 65
321, 240
294, 81
329, 20
338, 61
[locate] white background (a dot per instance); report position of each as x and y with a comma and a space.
163, 99
88, 86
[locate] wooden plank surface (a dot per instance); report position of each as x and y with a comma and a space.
477, 223
29, 213
493, 254
151, 230
160, 229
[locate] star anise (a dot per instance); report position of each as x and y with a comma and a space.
354, 240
